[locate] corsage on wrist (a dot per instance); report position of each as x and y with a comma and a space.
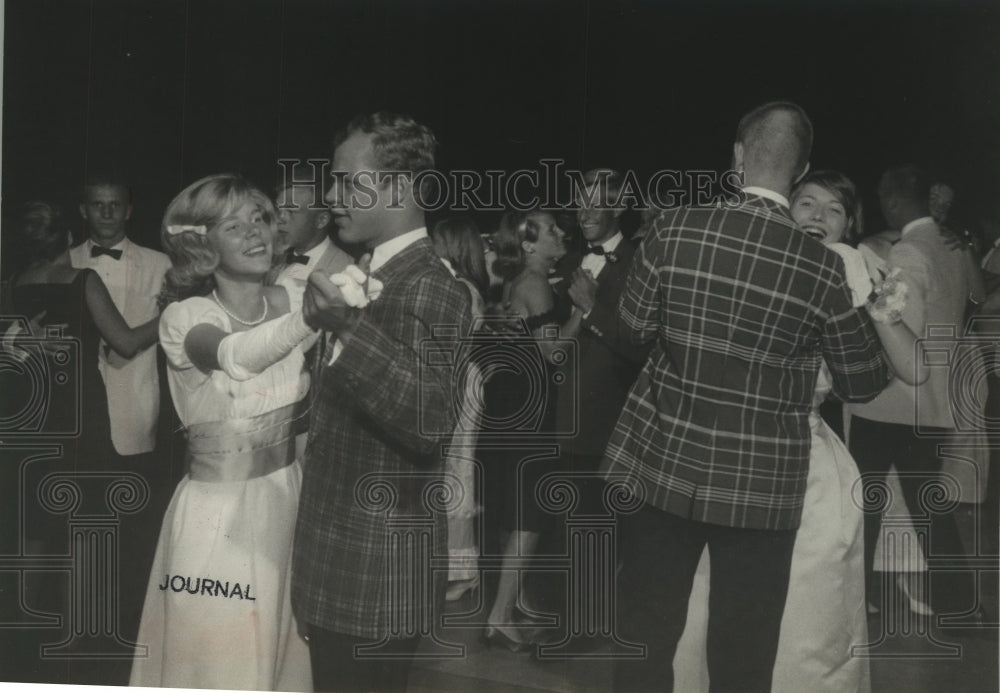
888, 300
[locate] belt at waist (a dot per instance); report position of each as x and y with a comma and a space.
243, 449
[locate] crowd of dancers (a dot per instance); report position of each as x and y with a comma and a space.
684, 364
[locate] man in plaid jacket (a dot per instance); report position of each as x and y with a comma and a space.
714, 439
382, 408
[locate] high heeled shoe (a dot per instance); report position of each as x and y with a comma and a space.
458, 588
914, 597
494, 637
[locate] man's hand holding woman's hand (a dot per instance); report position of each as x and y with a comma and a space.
334, 303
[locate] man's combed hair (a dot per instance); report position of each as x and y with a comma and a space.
400, 142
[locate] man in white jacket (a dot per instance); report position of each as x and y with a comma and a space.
904, 424
133, 275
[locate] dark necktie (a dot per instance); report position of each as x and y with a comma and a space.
292, 258
98, 250
595, 249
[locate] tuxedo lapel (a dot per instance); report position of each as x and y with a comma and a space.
611, 278
607, 366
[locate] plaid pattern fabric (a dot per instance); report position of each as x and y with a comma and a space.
743, 308
378, 420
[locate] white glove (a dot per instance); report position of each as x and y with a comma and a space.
242, 355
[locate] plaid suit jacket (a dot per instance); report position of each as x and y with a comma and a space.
743, 308
379, 417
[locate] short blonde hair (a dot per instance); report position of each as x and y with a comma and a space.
206, 202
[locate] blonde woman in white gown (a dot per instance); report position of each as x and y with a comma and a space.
217, 611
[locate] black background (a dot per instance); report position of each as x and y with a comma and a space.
166, 91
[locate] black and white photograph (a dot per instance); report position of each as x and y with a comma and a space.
553, 346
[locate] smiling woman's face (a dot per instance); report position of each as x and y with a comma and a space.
243, 241
820, 213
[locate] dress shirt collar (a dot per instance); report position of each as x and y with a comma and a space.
915, 223
388, 250
769, 194
610, 244
314, 254
595, 263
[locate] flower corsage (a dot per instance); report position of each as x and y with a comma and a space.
888, 300
357, 287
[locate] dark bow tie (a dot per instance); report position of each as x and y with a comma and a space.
292, 258
609, 255
98, 250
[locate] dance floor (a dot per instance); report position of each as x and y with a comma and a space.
909, 655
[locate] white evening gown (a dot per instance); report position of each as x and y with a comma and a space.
217, 612
825, 608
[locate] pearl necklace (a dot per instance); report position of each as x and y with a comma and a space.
248, 323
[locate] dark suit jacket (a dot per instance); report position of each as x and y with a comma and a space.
379, 417
608, 362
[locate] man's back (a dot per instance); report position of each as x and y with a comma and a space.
743, 307
939, 286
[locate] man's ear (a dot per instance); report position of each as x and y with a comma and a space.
322, 220
801, 175
738, 156
83, 210
128, 212
527, 246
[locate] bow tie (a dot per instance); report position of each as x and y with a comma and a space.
98, 250
598, 250
292, 258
